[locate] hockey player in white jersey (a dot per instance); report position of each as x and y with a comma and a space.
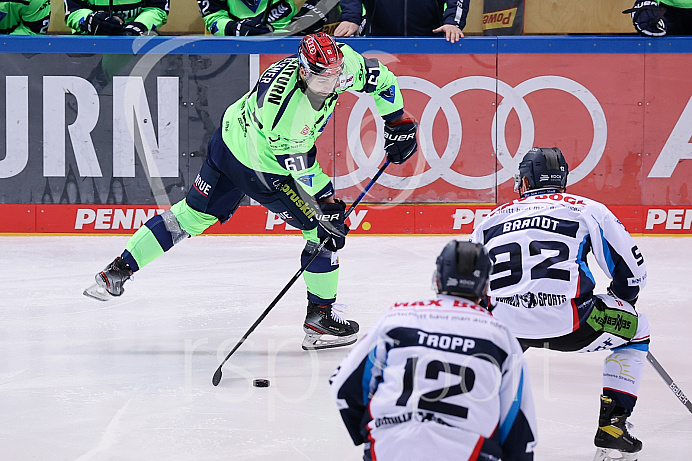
440, 378
542, 287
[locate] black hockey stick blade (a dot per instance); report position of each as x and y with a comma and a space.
217, 377
669, 381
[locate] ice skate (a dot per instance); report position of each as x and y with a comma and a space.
324, 328
613, 440
109, 282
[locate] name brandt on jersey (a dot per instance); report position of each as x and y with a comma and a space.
537, 222
546, 223
530, 300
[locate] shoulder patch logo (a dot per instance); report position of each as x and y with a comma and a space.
345, 81
388, 94
307, 179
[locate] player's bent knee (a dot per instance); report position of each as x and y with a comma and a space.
190, 220
643, 330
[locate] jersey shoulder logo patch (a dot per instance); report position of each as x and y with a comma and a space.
307, 179
388, 94
345, 81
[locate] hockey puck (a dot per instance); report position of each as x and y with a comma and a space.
261, 383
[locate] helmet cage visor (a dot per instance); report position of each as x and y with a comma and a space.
321, 80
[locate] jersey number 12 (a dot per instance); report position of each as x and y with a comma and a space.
433, 400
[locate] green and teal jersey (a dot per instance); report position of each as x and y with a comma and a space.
152, 13
24, 17
218, 13
677, 3
273, 128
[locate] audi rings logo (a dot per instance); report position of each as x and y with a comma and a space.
441, 165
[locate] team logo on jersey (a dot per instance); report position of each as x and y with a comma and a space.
307, 179
388, 94
530, 300
345, 81
305, 131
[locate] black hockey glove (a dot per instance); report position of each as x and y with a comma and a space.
102, 23
135, 29
400, 140
248, 26
332, 226
647, 17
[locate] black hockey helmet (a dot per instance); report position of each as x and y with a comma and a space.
463, 269
543, 167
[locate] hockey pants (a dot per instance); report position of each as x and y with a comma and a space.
215, 195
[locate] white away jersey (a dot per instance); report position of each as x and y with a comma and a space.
437, 379
538, 245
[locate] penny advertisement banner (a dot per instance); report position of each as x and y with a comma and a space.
95, 143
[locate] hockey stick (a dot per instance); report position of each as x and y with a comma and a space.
669, 381
217, 375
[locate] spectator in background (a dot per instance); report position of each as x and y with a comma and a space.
24, 18
246, 17
315, 16
260, 17
656, 18
118, 17
408, 18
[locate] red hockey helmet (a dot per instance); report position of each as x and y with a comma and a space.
319, 54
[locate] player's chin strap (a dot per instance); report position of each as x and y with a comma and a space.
217, 375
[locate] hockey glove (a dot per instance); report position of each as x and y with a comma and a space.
102, 23
135, 29
647, 17
248, 26
332, 226
400, 140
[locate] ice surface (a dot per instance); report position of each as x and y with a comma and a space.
130, 379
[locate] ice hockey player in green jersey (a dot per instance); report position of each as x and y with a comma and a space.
116, 17
265, 149
24, 17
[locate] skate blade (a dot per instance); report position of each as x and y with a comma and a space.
611, 454
317, 342
96, 292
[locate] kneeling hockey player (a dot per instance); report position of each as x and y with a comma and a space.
542, 287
